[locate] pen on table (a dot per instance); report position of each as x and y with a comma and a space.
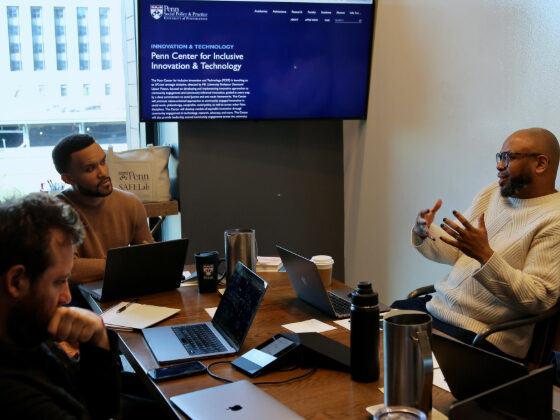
122, 308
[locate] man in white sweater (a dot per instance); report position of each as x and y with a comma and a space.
504, 249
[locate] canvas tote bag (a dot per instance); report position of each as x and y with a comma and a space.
143, 172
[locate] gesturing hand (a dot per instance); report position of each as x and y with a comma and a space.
77, 325
471, 240
423, 221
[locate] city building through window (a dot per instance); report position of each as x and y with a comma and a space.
63, 72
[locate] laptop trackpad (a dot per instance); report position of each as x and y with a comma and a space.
164, 344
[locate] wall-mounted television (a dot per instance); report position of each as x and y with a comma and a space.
244, 59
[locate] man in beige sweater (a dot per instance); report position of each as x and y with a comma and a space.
504, 250
111, 217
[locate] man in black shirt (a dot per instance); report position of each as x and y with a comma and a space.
37, 378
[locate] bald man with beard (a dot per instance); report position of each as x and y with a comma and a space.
504, 249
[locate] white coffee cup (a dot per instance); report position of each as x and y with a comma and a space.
324, 264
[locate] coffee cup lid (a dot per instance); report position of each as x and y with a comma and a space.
322, 260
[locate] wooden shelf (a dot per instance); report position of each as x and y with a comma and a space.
161, 208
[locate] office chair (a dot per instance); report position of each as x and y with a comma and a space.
544, 334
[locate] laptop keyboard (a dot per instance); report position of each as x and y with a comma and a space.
198, 339
340, 306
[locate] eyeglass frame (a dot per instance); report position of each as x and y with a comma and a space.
505, 157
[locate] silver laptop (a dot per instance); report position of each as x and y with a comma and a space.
238, 400
222, 336
307, 284
138, 270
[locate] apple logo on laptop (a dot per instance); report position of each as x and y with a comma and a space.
235, 407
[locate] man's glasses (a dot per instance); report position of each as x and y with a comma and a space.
505, 157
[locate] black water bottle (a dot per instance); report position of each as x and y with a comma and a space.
364, 334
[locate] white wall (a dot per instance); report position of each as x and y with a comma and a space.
451, 79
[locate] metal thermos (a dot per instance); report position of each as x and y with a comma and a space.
364, 334
407, 359
240, 245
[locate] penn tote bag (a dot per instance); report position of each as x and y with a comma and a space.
143, 172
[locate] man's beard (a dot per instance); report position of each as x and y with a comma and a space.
27, 323
514, 185
96, 192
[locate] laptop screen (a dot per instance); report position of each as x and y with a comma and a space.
239, 304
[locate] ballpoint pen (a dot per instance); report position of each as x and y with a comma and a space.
122, 308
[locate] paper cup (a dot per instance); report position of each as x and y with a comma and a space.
324, 265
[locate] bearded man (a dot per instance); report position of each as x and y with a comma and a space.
37, 378
504, 249
111, 217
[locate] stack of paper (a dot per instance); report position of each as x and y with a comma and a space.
135, 316
269, 263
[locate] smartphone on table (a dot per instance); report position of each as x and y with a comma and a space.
177, 371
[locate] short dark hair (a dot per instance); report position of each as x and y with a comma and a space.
62, 152
25, 231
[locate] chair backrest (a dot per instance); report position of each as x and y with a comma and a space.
545, 338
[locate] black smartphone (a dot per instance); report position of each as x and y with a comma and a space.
177, 371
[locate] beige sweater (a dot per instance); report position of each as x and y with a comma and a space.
119, 220
522, 276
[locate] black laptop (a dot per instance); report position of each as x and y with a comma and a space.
469, 370
528, 397
138, 270
222, 336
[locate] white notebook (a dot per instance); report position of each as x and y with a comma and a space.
136, 316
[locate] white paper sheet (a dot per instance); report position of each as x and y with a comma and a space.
344, 323
211, 311
311, 325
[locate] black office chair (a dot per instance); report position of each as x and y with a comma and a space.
546, 328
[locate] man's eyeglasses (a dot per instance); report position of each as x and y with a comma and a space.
505, 157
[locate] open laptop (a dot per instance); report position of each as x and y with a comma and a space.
222, 336
307, 285
138, 270
237, 400
469, 370
528, 397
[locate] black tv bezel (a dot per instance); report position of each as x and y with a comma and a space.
359, 118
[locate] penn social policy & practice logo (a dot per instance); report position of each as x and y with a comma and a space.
156, 10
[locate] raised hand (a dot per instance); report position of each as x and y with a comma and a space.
423, 221
471, 240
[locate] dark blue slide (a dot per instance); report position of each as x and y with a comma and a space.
254, 60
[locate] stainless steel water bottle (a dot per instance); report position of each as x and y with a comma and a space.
364, 334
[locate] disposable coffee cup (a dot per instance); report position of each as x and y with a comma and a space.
324, 264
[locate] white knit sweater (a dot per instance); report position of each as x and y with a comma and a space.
522, 276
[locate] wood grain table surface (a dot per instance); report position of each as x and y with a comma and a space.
325, 394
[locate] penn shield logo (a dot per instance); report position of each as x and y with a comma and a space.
156, 10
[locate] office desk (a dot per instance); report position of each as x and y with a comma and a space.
323, 394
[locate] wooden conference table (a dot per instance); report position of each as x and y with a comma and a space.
323, 394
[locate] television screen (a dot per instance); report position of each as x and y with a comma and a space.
244, 59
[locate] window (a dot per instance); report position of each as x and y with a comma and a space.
37, 38
50, 134
107, 133
83, 38
14, 38
60, 38
57, 81
11, 136
105, 38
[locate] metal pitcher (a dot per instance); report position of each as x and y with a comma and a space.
241, 245
407, 359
